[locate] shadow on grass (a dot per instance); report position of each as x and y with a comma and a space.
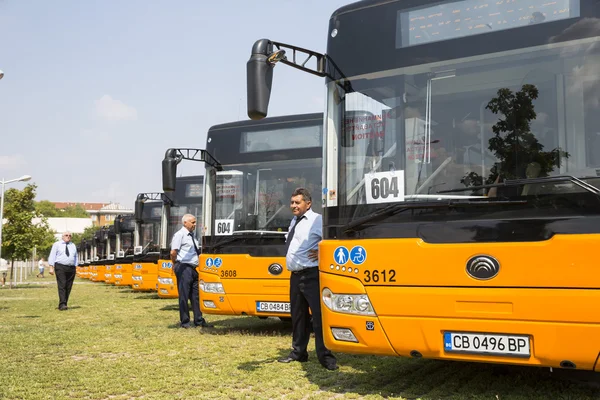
433, 379
30, 316
251, 366
147, 296
171, 307
251, 326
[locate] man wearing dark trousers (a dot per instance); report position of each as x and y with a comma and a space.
184, 255
63, 257
302, 258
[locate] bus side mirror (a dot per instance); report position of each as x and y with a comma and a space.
259, 77
117, 225
169, 170
139, 207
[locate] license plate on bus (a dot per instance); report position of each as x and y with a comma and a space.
271, 306
486, 343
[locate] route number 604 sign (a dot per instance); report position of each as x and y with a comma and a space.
384, 187
223, 227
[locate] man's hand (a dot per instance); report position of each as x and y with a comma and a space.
313, 255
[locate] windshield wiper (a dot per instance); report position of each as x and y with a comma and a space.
517, 182
401, 207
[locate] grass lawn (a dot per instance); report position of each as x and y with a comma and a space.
113, 343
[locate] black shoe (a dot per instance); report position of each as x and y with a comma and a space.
185, 326
63, 308
289, 359
205, 324
331, 367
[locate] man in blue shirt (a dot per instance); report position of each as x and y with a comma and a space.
63, 257
184, 255
302, 259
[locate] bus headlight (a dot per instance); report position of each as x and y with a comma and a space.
165, 281
348, 303
211, 287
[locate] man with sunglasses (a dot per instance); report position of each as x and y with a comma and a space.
63, 257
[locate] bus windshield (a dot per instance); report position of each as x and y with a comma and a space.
187, 200
255, 197
432, 131
150, 227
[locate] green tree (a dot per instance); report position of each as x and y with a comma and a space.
88, 233
49, 210
46, 208
519, 152
75, 211
20, 234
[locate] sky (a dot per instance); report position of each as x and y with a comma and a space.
96, 91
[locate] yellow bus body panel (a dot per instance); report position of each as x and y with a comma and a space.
99, 273
548, 291
246, 280
108, 275
165, 270
148, 271
123, 272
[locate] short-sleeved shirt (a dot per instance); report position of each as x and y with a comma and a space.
183, 242
307, 236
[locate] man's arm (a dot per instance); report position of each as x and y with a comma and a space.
75, 255
313, 254
175, 246
52, 257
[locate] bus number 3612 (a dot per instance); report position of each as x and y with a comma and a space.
380, 276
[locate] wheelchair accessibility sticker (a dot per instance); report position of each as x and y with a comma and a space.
209, 262
218, 262
357, 255
167, 265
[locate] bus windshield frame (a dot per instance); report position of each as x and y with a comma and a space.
262, 163
445, 113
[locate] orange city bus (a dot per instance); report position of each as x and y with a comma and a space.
187, 199
248, 183
124, 229
86, 248
461, 170
97, 265
150, 210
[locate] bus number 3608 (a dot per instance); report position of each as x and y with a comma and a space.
380, 276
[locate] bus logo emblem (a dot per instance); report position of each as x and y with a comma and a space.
483, 267
275, 269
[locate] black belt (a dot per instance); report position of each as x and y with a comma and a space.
187, 265
305, 270
64, 265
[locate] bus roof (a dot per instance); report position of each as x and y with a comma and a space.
266, 121
358, 5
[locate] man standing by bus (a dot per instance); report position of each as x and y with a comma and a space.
302, 258
184, 255
63, 258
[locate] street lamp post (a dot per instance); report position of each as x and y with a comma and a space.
24, 178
